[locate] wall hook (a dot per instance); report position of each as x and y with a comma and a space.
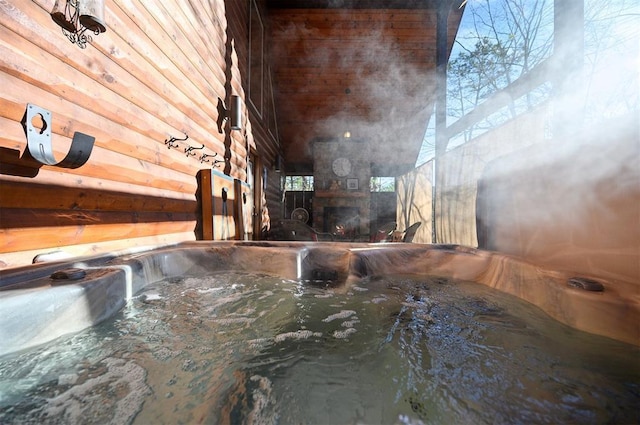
171, 142
204, 158
188, 150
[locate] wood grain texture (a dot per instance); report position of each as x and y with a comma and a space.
159, 71
30, 238
20, 258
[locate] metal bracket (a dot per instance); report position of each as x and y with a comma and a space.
39, 140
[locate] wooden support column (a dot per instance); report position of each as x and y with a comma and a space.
205, 201
441, 103
567, 70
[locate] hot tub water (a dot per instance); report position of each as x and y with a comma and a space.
251, 348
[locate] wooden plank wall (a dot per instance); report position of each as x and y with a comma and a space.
363, 70
159, 70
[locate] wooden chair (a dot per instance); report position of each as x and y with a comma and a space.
411, 232
384, 232
296, 230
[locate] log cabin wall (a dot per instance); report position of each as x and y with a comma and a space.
161, 70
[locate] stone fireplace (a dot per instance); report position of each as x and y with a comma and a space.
342, 200
344, 221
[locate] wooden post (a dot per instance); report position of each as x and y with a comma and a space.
567, 70
205, 195
441, 104
238, 215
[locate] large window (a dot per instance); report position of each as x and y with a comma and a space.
298, 183
256, 58
497, 43
500, 41
382, 184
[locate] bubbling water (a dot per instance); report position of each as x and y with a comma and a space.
248, 348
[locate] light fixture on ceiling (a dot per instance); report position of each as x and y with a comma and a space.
347, 134
76, 17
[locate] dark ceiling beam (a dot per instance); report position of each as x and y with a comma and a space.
352, 4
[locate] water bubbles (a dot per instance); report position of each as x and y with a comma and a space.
342, 315
343, 334
67, 379
278, 351
297, 335
350, 323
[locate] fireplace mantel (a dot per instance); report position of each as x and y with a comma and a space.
340, 194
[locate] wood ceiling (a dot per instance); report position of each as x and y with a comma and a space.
361, 66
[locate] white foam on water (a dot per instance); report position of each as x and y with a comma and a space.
232, 320
297, 335
75, 406
263, 411
68, 379
150, 296
350, 323
344, 334
207, 290
342, 315
204, 281
258, 343
266, 295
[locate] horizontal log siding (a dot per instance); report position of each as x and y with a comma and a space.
157, 72
259, 135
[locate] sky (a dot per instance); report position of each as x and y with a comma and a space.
612, 53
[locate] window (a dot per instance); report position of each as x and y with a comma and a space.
382, 184
256, 59
270, 110
298, 183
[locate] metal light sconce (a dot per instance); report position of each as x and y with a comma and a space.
76, 17
234, 113
277, 165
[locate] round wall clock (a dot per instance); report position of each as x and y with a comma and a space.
341, 167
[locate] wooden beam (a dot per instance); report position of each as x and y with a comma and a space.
352, 4
205, 201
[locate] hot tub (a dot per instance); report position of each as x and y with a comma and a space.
323, 294
40, 302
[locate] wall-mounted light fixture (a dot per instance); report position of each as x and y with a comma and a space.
76, 17
277, 165
347, 134
234, 113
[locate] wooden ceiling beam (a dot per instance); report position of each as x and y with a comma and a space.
353, 4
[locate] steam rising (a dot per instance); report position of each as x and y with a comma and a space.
386, 96
562, 176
